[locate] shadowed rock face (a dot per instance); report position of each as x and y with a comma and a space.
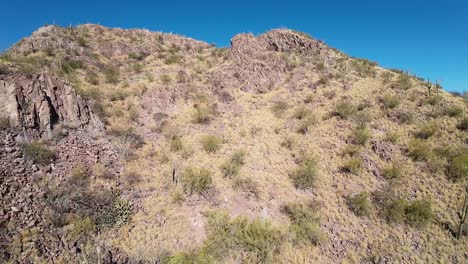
40, 103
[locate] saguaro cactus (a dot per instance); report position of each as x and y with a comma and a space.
463, 213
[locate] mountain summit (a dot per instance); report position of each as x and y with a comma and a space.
132, 146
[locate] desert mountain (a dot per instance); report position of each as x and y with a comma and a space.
132, 146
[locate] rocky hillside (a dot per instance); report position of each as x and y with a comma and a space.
131, 146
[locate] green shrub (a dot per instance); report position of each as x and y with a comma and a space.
211, 143
246, 185
112, 74
419, 213
352, 150
463, 125
453, 110
345, 109
434, 99
202, 115
404, 81
37, 153
419, 150
353, 165
4, 122
306, 123
458, 167
27, 69
389, 101
137, 67
278, 108
395, 210
301, 212
309, 232
121, 212
305, 176
68, 65
392, 136
173, 59
258, 240
360, 204
82, 41
364, 67
196, 180
360, 136
427, 130
362, 119
392, 172
232, 166
176, 144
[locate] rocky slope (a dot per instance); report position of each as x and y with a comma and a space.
131, 146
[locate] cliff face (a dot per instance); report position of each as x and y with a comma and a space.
39, 103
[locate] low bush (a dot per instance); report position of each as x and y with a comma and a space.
434, 99
419, 150
404, 81
68, 65
302, 112
360, 204
305, 176
353, 165
112, 74
247, 185
463, 125
196, 180
392, 136
392, 172
278, 108
453, 110
211, 143
360, 136
176, 144
352, 150
232, 166
345, 109
458, 167
202, 115
173, 59
92, 78
255, 240
309, 98
389, 101
166, 79
419, 213
38, 153
427, 130
362, 119
306, 123
395, 210
364, 68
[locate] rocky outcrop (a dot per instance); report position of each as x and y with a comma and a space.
40, 103
259, 64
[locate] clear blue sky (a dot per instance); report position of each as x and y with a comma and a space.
429, 38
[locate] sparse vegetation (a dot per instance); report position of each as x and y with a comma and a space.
306, 123
305, 176
232, 166
453, 111
345, 109
360, 204
247, 185
419, 150
458, 168
112, 74
4, 122
38, 153
427, 130
305, 223
278, 108
202, 115
419, 213
353, 165
176, 144
360, 136
196, 180
404, 81
392, 172
389, 101
211, 143
463, 125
